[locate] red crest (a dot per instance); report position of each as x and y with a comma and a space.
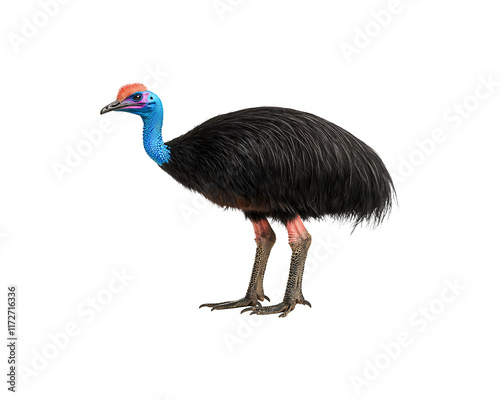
127, 90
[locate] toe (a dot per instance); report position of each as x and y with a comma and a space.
245, 301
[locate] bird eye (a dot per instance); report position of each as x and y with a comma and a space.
137, 97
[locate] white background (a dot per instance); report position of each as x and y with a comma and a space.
64, 237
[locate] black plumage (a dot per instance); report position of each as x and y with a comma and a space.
269, 162
279, 163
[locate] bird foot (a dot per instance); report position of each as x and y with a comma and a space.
285, 307
244, 302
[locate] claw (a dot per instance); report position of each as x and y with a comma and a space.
252, 308
267, 298
219, 307
213, 304
245, 301
285, 307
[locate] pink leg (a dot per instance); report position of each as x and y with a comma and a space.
299, 240
296, 231
263, 231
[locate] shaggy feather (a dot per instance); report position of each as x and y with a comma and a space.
279, 163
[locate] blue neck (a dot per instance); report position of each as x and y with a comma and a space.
151, 137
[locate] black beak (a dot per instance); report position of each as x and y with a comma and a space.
115, 105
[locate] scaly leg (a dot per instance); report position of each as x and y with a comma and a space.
265, 238
299, 240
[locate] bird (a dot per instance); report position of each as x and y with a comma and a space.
273, 164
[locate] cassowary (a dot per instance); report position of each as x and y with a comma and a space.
270, 163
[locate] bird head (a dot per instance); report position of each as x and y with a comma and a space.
134, 98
